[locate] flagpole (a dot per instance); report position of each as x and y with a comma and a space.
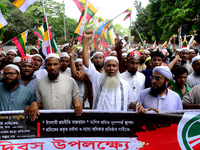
139, 34
130, 32
64, 21
6, 43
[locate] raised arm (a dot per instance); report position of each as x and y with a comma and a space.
72, 64
173, 62
87, 35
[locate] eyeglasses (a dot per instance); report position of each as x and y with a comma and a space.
157, 78
9, 74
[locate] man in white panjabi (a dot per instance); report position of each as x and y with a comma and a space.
110, 91
135, 78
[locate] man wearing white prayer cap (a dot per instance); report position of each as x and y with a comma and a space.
65, 64
55, 91
34, 50
10, 55
159, 97
82, 80
110, 91
79, 52
113, 53
192, 54
194, 77
13, 95
39, 72
17, 60
65, 47
98, 60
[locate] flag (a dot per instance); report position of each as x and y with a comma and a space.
20, 42
92, 8
100, 19
110, 36
154, 45
164, 44
79, 30
22, 4
184, 42
2, 20
39, 32
101, 29
40, 43
48, 44
144, 42
127, 16
194, 43
91, 24
129, 11
105, 44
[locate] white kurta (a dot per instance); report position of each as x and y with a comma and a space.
40, 73
136, 82
193, 80
67, 72
169, 101
110, 100
58, 94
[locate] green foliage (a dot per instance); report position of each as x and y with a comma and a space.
161, 18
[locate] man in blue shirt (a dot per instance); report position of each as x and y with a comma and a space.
156, 60
13, 95
27, 69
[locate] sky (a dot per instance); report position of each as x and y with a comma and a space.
108, 9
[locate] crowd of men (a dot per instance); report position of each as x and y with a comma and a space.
131, 78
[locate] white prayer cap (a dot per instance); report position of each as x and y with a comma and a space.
178, 50
109, 49
164, 70
52, 55
182, 49
110, 58
64, 54
97, 53
17, 59
124, 55
12, 50
65, 45
78, 60
28, 55
37, 55
13, 66
79, 49
112, 52
195, 58
3, 53
124, 49
125, 35
35, 49
191, 50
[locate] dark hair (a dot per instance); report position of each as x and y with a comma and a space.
180, 70
157, 53
196, 50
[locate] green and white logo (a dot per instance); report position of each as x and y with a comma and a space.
189, 131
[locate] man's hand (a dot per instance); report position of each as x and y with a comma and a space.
71, 52
33, 111
78, 107
26, 110
194, 32
140, 109
179, 31
118, 45
87, 35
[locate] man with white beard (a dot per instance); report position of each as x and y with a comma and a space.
110, 91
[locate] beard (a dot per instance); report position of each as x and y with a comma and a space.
98, 66
52, 76
110, 83
155, 91
27, 77
142, 61
11, 84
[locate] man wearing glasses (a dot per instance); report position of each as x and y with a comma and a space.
159, 97
13, 95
